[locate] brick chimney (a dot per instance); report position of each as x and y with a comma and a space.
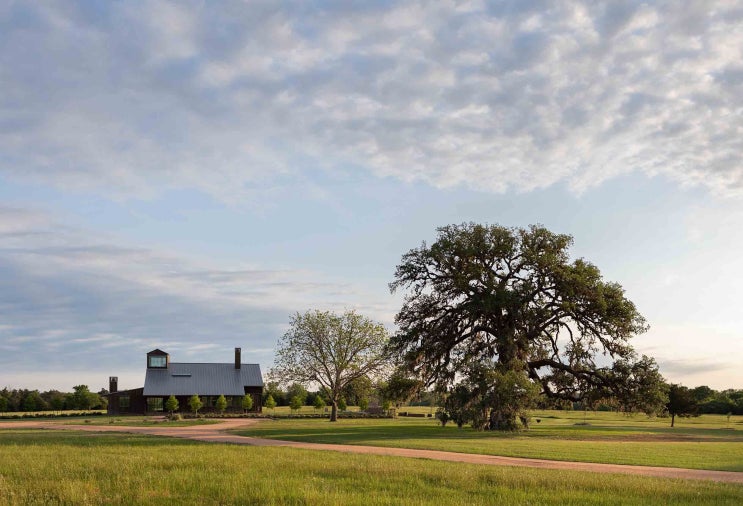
237, 358
113, 384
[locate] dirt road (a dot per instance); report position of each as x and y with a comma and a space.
216, 433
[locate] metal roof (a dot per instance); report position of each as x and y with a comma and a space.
202, 379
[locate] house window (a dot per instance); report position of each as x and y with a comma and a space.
124, 403
157, 361
154, 404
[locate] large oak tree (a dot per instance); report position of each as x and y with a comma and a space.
512, 299
331, 350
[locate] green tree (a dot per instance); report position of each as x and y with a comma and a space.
273, 388
681, 402
3, 404
386, 406
195, 404
702, 393
511, 297
297, 390
342, 404
247, 403
221, 404
270, 403
319, 403
171, 405
83, 398
332, 350
357, 390
638, 386
363, 403
399, 388
295, 404
34, 402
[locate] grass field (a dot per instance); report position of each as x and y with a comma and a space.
53, 467
706, 442
138, 421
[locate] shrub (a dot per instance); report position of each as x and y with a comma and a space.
296, 403
221, 404
195, 404
247, 402
319, 403
171, 404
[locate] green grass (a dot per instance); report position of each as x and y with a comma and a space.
65, 414
53, 467
700, 443
139, 421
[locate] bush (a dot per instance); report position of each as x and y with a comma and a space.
221, 404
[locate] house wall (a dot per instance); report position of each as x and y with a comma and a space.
234, 403
117, 406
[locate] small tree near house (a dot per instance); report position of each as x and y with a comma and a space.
221, 404
247, 402
363, 403
195, 404
270, 403
319, 403
295, 404
171, 405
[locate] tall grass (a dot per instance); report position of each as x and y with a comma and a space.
40, 467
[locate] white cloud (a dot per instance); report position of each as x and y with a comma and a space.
134, 99
74, 300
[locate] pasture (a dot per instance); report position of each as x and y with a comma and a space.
706, 442
60, 467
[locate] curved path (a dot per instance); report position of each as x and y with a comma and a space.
216, 433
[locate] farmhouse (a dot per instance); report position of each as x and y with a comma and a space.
165, 378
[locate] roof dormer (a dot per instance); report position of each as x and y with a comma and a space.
157, 359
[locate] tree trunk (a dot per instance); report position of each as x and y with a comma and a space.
334, 412
673, 418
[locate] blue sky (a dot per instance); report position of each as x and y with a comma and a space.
186, 177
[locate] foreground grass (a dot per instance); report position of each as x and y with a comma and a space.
704, 443
51, 467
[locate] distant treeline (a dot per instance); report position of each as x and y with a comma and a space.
708, 401
722, 402
52, 400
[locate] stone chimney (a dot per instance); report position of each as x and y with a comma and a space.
113, 384
237, 358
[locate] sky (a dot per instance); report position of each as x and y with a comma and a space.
188, 175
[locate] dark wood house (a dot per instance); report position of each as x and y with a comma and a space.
165, 378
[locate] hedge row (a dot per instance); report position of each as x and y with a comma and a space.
17, 416
282, 416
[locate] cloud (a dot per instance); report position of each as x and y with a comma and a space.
134, 99
72, 300
692, 367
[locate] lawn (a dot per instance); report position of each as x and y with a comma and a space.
707, 442
139, 421
53, 467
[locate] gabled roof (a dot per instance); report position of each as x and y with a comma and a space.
157, 351
202, 379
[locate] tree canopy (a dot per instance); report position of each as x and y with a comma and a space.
330, 350
511, 299
681, 402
